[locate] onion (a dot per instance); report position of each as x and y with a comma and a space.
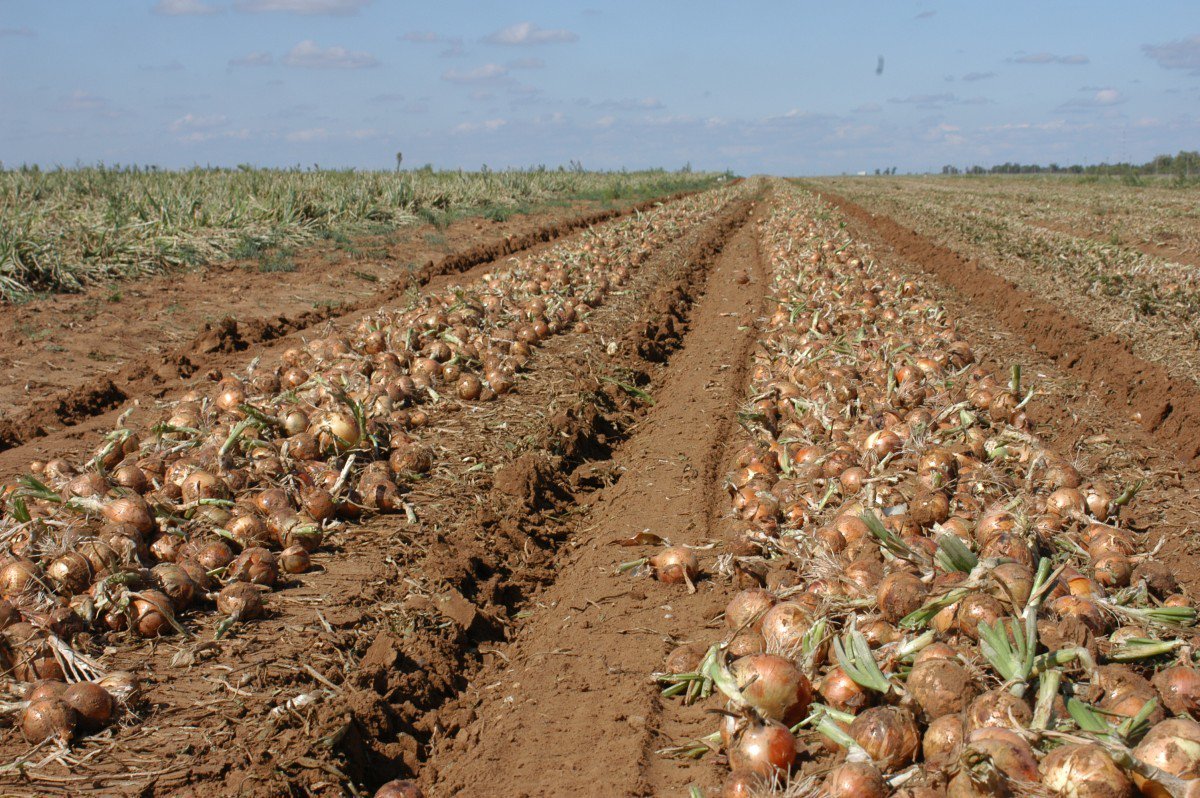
213, 555
744, 784
1173, 746
152, 613
1008, 753
49, 719
975, 608
94, 705
19, 577
856, 780
998, 708
241, 600
784, 625
176, 583
943, 741
766, 748
748, 608
940, 687
45, 688
773, 686
249, 530
123, 686
294, 560
843, 693
1084, 771
255, 565
888, 734
398, 788
131, 510
675, 565
899, 594
71, 573
1179, 688
1014, 584
745, 643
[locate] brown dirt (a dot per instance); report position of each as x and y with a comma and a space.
567, 708
401, 615
1166, 407
68, 358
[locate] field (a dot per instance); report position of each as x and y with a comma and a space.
671, 486
69, 228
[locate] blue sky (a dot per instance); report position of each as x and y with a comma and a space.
785, 88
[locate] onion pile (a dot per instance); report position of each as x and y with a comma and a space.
234, 486
962, 608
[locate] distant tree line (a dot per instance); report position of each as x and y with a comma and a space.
1183, 165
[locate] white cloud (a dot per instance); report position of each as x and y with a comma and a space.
317, 134
1098, 98
1050, 58
311, 55
488, 73
23, 32
184, 8
454, 44
79, 100
526, 63
938, 100
972, 77
257, 58
867, 108
527, 33
191, 122
339, 8
1180, 54
486, 126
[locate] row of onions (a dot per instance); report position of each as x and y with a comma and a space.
931, 602
227, 493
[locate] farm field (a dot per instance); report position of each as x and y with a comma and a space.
852, 487
1124, 257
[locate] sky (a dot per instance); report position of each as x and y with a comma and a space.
792, 88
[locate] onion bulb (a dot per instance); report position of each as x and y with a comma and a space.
399, 788
1084, 771
240, 600
1174, 746
940, 687
773, 686
748, 608
49, 719
888, 734
94, 705
856, 780
675, 565
1179, 688
766, 748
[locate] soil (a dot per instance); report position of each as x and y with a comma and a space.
569, 706
489, 645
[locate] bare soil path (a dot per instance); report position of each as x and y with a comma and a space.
568, 708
